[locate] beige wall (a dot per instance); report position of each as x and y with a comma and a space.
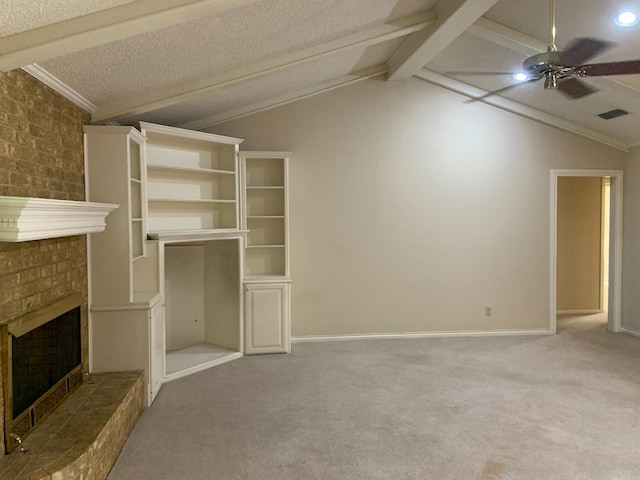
631, 240
412, 210
579, 243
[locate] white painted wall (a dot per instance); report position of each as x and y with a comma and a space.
412, 210
631, 239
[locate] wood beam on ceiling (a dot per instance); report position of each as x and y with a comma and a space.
454, 17
102, 27
290, 97
166, 96
507, 37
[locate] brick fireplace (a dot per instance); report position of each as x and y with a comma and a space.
41, 360
41, 155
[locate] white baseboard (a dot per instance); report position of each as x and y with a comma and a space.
630, 331
578, 312
463, 333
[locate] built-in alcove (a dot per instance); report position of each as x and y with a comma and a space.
42, 365
202, 298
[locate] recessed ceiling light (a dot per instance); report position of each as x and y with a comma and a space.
520, 76
626, 19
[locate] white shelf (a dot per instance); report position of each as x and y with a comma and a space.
265, 246
180, 363
265, 187
189, 170
266, 278
196, 235
176, 200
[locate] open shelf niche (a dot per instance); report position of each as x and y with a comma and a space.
202, 291
192, 181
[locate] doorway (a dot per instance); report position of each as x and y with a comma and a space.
605, 294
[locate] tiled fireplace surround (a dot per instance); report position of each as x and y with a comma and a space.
41, 155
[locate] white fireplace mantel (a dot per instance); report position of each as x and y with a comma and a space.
25, 218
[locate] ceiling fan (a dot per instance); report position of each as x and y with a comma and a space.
563, 69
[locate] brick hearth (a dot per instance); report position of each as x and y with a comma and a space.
82, 438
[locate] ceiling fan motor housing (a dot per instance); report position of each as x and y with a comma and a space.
543, 63
548, 65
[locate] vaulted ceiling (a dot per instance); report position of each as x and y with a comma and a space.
196, 63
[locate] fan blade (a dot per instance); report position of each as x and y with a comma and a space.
575, 89
613, 68
581, 50
503, 89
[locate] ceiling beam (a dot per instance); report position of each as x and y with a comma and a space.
287, 98
166, 96
519, 109
454, 17
102, 27
507, 37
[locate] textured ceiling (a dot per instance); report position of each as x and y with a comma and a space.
575, 18
219, 43
166, 63
260, 89
20, 15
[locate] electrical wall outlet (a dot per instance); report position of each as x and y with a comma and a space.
487, 311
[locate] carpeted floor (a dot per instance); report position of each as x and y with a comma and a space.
543, 408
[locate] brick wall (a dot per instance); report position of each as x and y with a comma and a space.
41, 155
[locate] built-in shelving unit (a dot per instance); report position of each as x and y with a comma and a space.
192, 180
193, 211
195, 227
265, 183
125, 302
138, 216
115, 173
266, 213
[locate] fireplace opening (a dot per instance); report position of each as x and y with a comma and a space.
43, 357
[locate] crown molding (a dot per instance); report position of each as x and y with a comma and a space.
59, 86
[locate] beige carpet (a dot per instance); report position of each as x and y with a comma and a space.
551, 407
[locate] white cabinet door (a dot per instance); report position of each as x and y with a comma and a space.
157, 353
267, 318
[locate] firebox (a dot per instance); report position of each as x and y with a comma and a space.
42, 365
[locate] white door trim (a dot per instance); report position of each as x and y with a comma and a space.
615, 242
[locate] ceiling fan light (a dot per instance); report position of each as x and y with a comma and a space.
520, 76
626, 19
